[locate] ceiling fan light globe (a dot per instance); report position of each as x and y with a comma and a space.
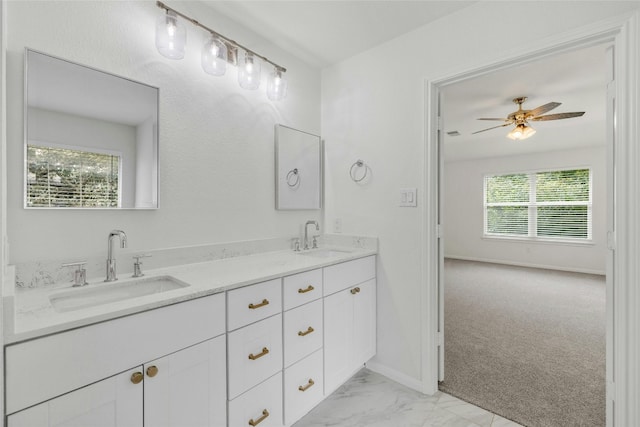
521, 132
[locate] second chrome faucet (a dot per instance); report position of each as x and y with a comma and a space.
111, 261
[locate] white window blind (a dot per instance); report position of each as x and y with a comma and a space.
539, 205
61, 177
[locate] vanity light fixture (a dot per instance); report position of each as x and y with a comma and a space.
276, 86
217, 52
171, 35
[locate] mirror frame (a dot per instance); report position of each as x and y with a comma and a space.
279, 179
156, 135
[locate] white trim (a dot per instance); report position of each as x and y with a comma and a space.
624, 366
526, 264
394, 375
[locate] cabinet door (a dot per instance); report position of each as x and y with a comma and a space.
364, 323
338, 330
113, 402
187, 388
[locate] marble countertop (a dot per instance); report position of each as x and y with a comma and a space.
32, 315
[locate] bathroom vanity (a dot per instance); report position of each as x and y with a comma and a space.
251, 340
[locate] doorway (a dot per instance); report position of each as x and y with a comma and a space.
620, 34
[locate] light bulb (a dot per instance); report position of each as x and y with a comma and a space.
171, 36
276, 86
214, 56
249, 72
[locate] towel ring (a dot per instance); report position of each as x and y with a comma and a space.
353, 172
293, 178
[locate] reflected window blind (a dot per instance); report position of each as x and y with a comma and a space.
541, 205
61, 177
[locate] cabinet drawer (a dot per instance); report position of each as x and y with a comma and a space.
302, 387
252, 303
46, 367
302, 288
265, 398
302, 331
255, 354
341, 276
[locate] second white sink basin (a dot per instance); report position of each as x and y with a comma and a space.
324, 253
89, 296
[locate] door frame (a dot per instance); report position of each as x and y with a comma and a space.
623, 325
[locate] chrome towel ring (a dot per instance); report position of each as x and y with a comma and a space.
293, 177
353, 172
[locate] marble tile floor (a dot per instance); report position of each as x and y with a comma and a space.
371, 400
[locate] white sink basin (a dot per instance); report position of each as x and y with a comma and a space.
324, 253
89, 296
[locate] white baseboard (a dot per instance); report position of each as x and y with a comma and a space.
526, 264
394, 375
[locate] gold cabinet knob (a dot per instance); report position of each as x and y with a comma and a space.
152, 371
355, 290
137, 377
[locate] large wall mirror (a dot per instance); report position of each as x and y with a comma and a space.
91, 138
298, 169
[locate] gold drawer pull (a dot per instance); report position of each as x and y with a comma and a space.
307, 385
307, 332
264, 352
264, 416
264, 302
137, 377
304, 291
355, 291
152, 371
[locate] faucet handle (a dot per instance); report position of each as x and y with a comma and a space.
137, 271
80, 274
314, 244
296, 244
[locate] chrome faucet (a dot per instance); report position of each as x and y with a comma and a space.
306, 236
111, 262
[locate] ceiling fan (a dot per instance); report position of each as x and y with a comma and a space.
521, 118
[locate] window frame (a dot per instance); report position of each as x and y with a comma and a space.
532, 213
95, 150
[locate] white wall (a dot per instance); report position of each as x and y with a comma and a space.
216, 139
53, 128
373, 108
463, 213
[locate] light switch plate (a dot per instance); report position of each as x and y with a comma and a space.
408, 197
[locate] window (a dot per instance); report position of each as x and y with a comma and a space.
540, 205
61, 177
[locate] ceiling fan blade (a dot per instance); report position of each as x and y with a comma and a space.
495, 127
556, 116
543, 109
494, 118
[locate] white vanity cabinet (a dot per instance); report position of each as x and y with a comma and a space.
76, 377
254, 348
349, 319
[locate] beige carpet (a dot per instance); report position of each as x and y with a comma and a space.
526, 344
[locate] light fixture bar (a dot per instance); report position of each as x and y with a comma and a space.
234, 45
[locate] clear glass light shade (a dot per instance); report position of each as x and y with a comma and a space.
214, 56
249, 72
520, 132
276, 86
171, 35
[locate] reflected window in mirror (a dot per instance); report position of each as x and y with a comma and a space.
64, 177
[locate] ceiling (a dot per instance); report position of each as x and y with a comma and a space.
323, 32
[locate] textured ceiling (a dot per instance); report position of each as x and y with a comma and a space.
323, 32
